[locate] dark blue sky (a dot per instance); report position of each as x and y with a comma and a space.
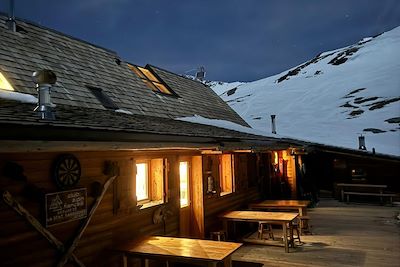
234, 39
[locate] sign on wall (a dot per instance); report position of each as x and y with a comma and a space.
65, 206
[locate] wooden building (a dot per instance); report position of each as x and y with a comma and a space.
106, 159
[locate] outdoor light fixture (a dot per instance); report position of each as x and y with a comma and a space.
44, 80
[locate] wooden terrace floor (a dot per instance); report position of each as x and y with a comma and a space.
343, 235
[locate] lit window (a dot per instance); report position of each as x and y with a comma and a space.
4, 84
184, 183
150, 181
142, 177
150, 79
227, 174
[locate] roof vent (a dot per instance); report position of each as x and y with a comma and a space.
44, 80
11, 17
201, 73
361, 142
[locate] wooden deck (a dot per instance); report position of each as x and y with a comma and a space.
343, 235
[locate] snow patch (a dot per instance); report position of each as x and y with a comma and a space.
20, 97
123, 111
225, 124
330, 104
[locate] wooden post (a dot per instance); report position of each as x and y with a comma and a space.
10, 201
83, 227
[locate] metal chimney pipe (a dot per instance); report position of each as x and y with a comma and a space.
11, 17
361, 142
201, 73
44, 80
273, 126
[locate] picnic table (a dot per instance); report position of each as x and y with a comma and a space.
298, 205
363, 190
285, 219
197, 251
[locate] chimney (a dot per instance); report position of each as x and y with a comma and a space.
361, 142
11, 17
200, 74
44, 80
273, 126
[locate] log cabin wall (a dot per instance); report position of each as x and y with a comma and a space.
116, 219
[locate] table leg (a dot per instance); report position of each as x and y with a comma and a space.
228, 261
225, 226
144, 262
124, 260
291, 234
285, 240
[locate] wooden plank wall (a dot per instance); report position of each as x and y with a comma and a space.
117, 217
21, 245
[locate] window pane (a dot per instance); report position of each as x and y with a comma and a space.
226, 179
142, 181
162, 88
184, 183
148, 74
4, 84
137, 71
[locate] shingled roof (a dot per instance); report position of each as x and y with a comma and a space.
80, 116
79, 64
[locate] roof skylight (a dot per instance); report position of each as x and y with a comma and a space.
104, 99
149, 78
4, 84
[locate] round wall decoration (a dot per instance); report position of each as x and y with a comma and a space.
66, 171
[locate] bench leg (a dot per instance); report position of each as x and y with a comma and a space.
348, 198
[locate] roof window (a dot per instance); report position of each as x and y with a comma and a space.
104, 99
151, 80
4, 84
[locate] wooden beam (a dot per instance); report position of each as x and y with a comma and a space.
14, 146
84, 225
10, 201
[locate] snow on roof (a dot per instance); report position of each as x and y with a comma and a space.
226, 125
20, 97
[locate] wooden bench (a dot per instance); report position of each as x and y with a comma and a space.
380, 194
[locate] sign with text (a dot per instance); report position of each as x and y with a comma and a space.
65, 206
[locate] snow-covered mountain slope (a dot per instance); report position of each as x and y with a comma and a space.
331, 99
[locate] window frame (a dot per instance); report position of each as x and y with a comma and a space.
152, 179
152, 80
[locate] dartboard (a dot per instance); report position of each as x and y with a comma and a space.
67, 171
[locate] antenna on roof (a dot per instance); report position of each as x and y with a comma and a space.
201, 73
11, 17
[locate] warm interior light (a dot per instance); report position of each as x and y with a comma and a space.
276, 158
4, 84
184, 183
142, 181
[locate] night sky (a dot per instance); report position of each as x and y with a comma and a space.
234, 40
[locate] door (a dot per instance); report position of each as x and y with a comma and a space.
185, 200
